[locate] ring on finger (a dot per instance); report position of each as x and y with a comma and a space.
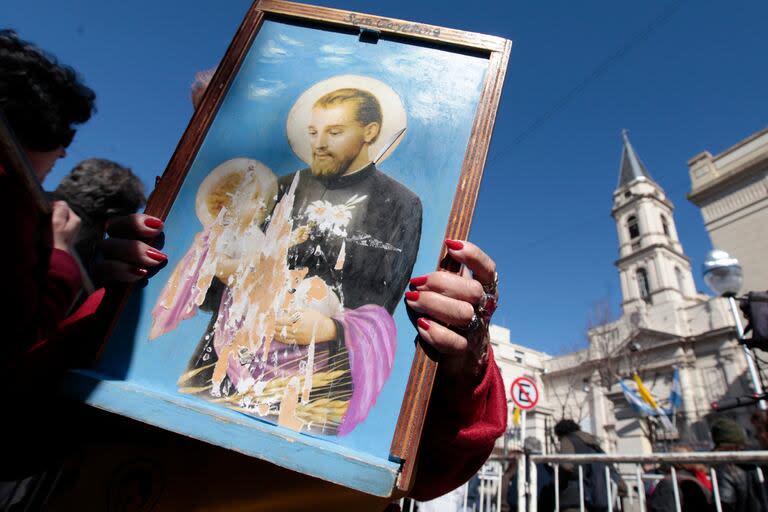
474, 324
492, 287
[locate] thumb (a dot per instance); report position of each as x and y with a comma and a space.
60, 212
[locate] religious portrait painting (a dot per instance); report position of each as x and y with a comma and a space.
322, 181
302, 272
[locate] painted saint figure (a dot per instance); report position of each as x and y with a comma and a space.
336, 255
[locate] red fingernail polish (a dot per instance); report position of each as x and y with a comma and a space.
156, 255
419, 281
412, 296
153, 223
141, 272
423, 324
454, 244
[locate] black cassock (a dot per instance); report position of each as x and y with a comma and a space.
380, 239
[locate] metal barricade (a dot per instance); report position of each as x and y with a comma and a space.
527, 502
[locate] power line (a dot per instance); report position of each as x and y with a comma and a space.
596, 73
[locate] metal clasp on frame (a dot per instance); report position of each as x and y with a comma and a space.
369, 35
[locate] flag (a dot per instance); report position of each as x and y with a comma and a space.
637, 403
646, 395
676, 393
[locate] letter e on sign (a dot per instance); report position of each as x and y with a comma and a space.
524, 393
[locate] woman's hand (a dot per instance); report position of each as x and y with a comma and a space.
300, 327
454, 311
126, 257
65, 225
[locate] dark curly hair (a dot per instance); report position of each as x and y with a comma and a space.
41, 98
565, 427
97, 190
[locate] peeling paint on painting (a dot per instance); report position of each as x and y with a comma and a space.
303, 292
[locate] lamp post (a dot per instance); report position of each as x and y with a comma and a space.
723, 275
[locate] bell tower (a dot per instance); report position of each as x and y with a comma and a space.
652, 266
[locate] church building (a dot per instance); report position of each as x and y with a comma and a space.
667, 333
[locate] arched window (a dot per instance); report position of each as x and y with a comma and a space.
642, 285
664, 225
632, 227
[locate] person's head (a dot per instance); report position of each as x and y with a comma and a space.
98, 189
344, 123
42, 101
727, 434
200, 85
532, 445
688, 466
565, 427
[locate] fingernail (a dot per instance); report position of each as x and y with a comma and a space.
422, 322
141, 272
156, 255
153, 223
454, 244
414, 296
419, 281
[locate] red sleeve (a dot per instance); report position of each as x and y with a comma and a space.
73, 343
461, 428
40, 283
60, 290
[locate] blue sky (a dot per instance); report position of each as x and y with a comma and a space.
683, 77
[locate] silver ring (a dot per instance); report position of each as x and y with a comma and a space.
492, 287
474, 324
486, 306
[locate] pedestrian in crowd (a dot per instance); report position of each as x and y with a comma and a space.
739, 484
43, 101
545, 480
595, 486
693, 484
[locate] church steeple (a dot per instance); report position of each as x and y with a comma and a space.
632, 167
652, 265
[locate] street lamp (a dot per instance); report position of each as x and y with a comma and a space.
723, 275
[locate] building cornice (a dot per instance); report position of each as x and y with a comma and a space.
636, 198
675, 342
733, 176
647, 249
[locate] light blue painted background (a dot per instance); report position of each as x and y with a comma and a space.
440, 91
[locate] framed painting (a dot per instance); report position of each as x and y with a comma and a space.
330, 156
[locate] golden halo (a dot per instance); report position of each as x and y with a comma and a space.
218, 187
393, 111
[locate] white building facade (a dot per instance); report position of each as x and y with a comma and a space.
665, 325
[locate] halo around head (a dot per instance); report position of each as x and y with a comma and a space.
394, 116
226, 183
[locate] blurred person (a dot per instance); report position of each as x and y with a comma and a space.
694, 487
738, 484
573, 440
43, 102
98, 190
545, 480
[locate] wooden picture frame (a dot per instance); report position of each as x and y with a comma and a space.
116, 385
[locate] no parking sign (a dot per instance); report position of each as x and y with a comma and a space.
524, 393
